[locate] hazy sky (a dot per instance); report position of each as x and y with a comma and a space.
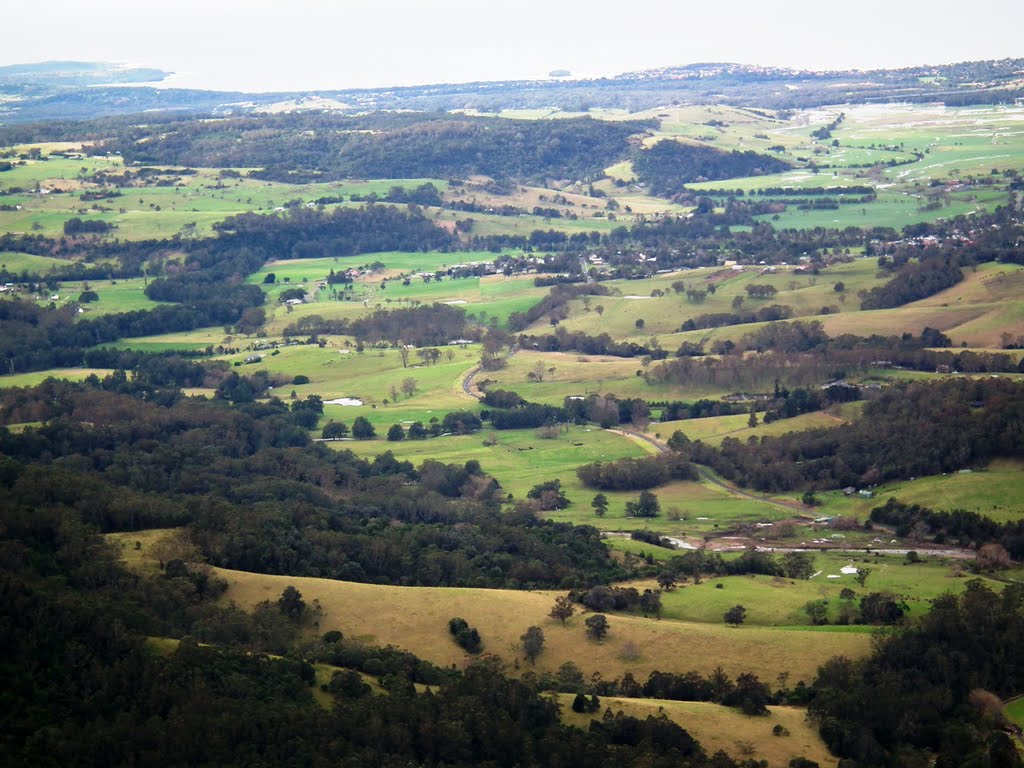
257, 45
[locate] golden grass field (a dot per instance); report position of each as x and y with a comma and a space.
722, 728
415, 618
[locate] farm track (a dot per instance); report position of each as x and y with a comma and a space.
467, 380
794, 506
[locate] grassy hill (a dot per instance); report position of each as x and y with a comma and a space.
416, 619
723, 728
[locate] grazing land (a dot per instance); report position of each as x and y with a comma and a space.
722, 728
249, 368
415, 618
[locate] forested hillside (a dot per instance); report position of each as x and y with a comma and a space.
323, 147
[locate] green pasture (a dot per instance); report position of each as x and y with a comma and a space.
198, 339
639, 548
995, 491
960, 146
574, 375
35, 377
713, 429
492, 224
299, 271
490, 296
114, 295
776, 601
17, 263
1015, 710
159, 206
336, 370
577, 375
518, 460
804, 293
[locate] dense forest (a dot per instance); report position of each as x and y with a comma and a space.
924, 695
125, 453
302, 148
96, 692
258, 496
669, 165
909, 430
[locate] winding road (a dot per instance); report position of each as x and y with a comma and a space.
467, 380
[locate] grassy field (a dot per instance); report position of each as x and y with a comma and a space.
804, 294
976, 311
722, 728
714, 429
996, 491
17, 263
1015, 710
416, 618
519, 460
33, 378
957, 145
774, 601
491, 296
960, 146
187, 204
114, 295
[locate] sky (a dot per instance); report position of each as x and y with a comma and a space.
257, 45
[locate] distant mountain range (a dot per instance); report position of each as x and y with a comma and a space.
83, 90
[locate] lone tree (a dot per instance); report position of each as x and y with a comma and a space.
645, 506
466, 636
549, 495
362, 429
666, 580
408, 386
396, 432
797, 565
817, 611
735, 615
291, 603
334, 430
600, 505
562, 609
533, 643
650, 602
597, 626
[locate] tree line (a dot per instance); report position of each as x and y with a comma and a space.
909, 430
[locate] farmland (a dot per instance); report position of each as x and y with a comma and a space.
416, 619
569, 308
